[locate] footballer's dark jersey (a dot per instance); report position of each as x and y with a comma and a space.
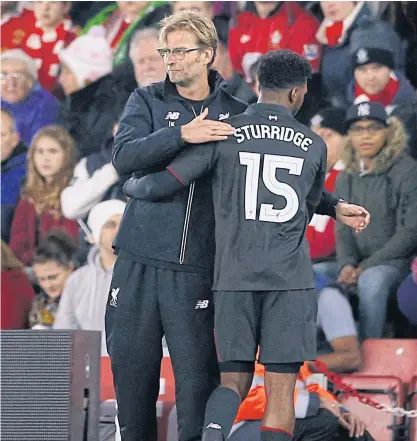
264, 178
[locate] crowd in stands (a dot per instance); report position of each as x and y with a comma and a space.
67, 71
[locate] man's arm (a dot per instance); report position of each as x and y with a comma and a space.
138, 147
315, 194
188, 166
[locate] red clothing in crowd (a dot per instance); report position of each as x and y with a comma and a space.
28, 228
24, 32
320, 232
16, 299
291, 27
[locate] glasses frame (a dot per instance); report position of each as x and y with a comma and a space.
165, 52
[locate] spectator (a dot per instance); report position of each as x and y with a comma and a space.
340, 20
16, 291
50, 166
148, 65
121, 19
94, 180
329, 124
13, 170
48, 30
234, 81
382, 177
265, 26
205, 8
318, 415
84, 299
31, 106
53, 262
407, 295
94, 99
373, 58
14, 19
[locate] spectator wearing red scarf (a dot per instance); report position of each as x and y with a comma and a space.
374, 58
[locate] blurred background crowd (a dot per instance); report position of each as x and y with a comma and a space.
67, 70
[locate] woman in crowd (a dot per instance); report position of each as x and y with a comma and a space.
16, 291
53, 262
382, 177
51, 162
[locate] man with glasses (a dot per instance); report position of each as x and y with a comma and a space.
31, 106
163, 274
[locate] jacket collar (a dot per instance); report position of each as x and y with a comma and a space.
19, 150
268, 109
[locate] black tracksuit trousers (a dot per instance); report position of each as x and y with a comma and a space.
146, 302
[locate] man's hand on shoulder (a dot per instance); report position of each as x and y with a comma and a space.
201, 130
353, 216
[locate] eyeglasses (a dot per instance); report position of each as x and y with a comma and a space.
372, 129
177, 53
17, 76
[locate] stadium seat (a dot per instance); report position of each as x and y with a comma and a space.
413, 405
390, 357
386, 390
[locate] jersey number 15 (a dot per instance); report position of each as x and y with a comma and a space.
268, 213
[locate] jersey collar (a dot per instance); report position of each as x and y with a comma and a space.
268, 109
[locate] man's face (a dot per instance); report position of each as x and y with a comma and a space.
52, 277
16, 83
203, 8
149, 66
50, 14
185, 69
337, 11
372, 77
109, 231
368, 137
9, 136
334, 142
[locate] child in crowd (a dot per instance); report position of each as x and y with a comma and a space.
16, 291
51, 161
53, 262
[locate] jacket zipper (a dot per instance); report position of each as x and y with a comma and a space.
187, 212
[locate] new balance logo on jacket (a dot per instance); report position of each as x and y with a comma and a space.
202, 304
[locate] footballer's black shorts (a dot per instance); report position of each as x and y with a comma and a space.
282, 323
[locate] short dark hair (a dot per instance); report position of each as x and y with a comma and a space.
57, 247
282, 69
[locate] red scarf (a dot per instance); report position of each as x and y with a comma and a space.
334, 32
386, 96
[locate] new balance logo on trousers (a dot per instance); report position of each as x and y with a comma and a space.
202, 304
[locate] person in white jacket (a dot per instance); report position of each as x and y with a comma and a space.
83, 301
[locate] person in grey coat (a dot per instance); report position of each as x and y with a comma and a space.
382, 177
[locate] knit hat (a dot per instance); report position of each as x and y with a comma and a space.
89, 57
330, 118
18, 54
101, 213
365, 111
374, 42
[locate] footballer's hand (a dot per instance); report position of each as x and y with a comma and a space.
201, 130
356, 426
353, 216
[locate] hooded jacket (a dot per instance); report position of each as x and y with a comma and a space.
389, 193
83, 301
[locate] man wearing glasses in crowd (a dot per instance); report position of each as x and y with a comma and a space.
163, 274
